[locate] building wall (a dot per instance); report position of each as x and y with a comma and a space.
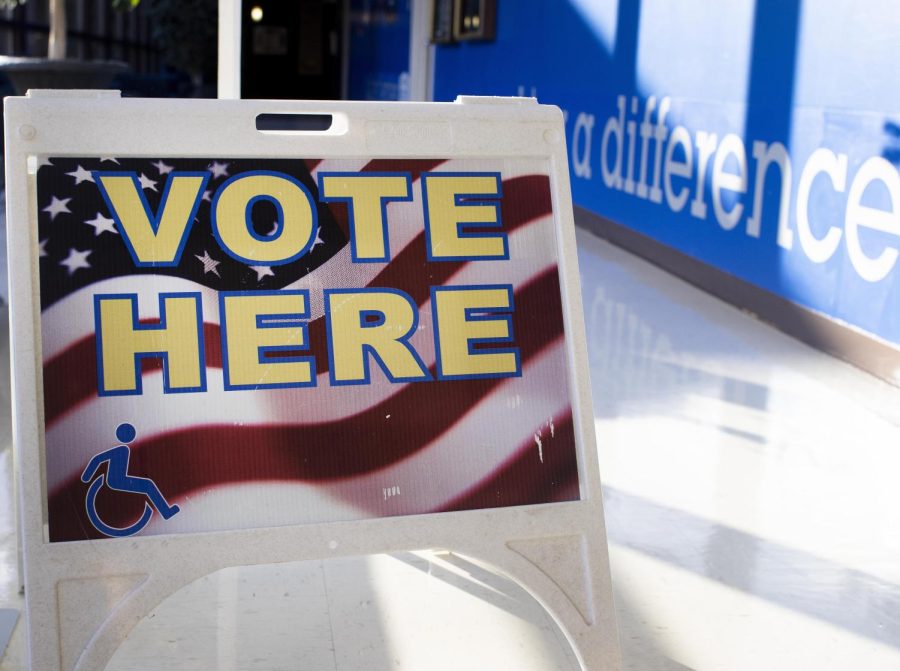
759, 137
379, 34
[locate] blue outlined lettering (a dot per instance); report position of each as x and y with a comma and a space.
102, 336
463, 229
369, 318
351, 214
153, 219
476, 346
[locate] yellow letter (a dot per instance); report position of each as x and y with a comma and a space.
379, 322
153, 240
233, 228
466, 317
367, 197
454, 204
256, 323
122, 341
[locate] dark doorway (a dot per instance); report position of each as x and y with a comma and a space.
291, 49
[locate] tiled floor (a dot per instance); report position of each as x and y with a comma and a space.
751, 499
750, 483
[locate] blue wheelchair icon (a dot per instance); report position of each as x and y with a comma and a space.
117, 478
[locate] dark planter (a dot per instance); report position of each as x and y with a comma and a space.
42, 73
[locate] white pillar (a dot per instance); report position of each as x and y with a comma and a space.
229, 49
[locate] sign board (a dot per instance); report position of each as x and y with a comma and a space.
235, 346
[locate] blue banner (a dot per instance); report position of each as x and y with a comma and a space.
757, 137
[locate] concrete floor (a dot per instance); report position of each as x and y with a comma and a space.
751, 501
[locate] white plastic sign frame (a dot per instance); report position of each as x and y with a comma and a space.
84, 597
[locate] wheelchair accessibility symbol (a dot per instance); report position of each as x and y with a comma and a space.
117, 478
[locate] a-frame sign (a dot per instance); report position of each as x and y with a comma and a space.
236, 344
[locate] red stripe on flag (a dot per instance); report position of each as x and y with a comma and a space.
531, 475
205, 456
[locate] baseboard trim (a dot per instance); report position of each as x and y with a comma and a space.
841, 340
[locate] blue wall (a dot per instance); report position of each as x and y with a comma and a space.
808, 93
378, 50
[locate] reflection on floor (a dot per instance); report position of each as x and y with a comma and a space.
750, 483
750, 500
410, 611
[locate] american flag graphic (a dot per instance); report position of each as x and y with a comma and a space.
269, 457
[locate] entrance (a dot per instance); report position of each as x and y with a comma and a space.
291, 50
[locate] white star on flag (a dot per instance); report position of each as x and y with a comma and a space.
81, 175
209, 263
57, 206
162, 167
318, 240
262, 271
274, 229
218, 169
109, 158
42, 248
146, 182
102, 224
207, 196
76, 259
42, 161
